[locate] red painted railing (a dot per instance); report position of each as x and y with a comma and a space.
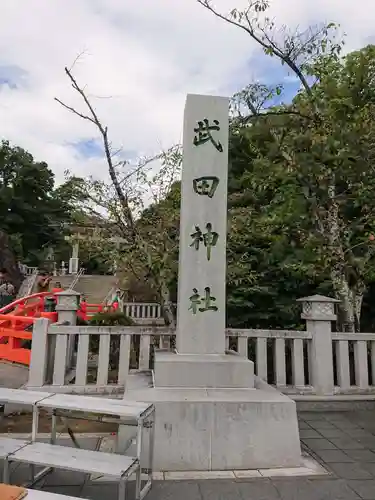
17, 318
86, 311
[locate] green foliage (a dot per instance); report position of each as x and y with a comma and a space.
307, 181
73, 193
81, 322
269, 266
30, 213
111, 319
301, 184
149, 250
325, 142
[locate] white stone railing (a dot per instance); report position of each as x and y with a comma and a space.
93, 370
354, 356
27, 270
316, 361
143, 310
281, 357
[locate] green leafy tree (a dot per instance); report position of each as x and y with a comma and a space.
269, 266
327, 174
30, 213
325, 142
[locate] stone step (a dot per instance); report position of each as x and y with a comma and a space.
94, 287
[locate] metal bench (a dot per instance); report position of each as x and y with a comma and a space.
21, 396
135, 414
61, 457
24, 398
129, 413
10, 445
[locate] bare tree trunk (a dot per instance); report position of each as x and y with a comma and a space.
125, 218
167, 305
331, 226
358, 292
8, 261
344, 294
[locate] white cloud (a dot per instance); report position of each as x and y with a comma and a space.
146, 54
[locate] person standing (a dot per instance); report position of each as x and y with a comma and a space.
43, 282
7, 290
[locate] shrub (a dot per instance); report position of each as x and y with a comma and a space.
109, 318
81, 322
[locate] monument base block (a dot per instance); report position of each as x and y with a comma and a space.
203, 370
221, 429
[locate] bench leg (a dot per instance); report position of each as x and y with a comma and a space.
37, 477
146, 489
138, 483
35, 424
6, 471
32, 473
53, 429
122, 490
151, 447
138, 479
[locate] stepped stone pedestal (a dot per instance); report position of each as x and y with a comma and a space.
211, 412
207, 371
221, 429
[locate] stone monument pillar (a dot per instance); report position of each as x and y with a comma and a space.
203, 227
211, 412
201, 359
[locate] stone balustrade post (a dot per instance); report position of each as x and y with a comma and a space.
39, 354
74, 260
67, 307
318, 312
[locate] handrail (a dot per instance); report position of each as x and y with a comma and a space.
15, 318
27, 270
109, 295
76, 278
20, 301
31, 284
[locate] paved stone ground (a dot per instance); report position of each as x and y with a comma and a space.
343, 442
12, 375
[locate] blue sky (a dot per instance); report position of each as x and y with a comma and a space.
12, 76
139, 60
93, 148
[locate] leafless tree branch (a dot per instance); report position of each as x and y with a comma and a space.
81, 115
267, 43
107, 150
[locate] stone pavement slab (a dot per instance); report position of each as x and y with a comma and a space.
319, 444
349, 470
348, 454
12, 375
338, 456
325, 489
364, 489
258, 489
333, 433
361, 455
